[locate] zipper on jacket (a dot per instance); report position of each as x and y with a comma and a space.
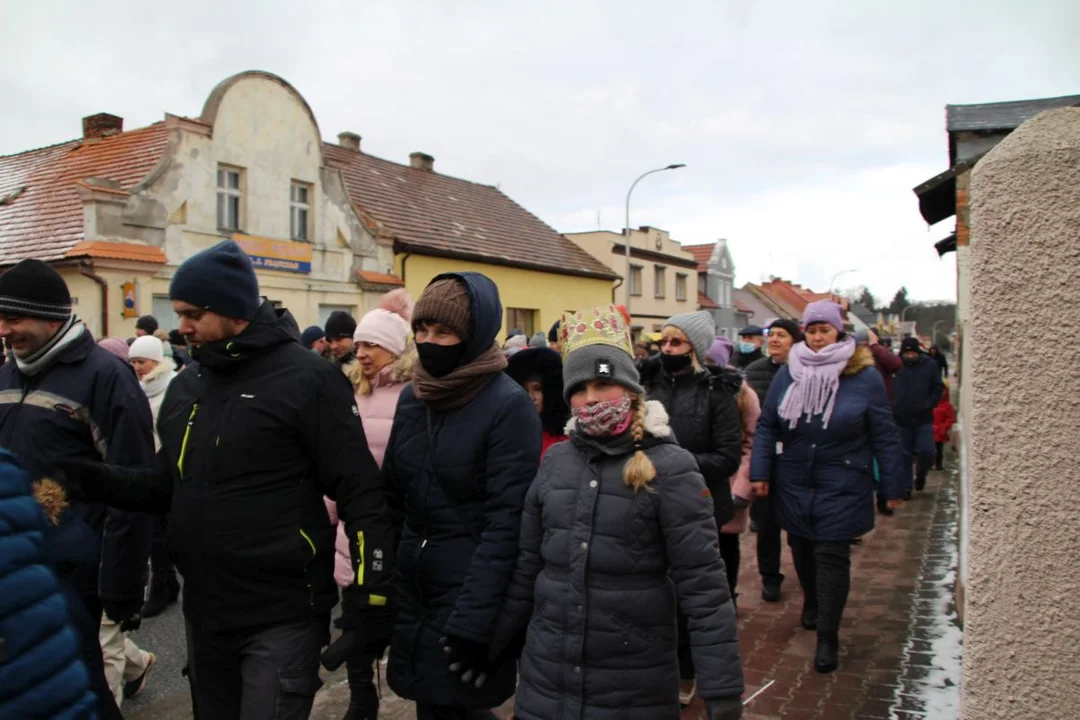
187, 435
360, 556
309, 542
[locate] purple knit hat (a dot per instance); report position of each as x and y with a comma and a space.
720, 351
824, 311
116, 346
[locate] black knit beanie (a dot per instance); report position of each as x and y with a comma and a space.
147, 323
33, 289
791, 326
220, 279
340, 324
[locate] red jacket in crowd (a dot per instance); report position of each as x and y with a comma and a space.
944, 417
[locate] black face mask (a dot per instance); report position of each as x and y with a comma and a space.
911, 362
673, 364
440, 360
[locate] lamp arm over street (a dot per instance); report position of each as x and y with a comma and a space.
626, 279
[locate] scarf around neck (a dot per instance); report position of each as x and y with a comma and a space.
815, 379
460, 386
157, 380
46, 355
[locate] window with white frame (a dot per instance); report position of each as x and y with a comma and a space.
635, 280
300, 211
680, 286
230, 197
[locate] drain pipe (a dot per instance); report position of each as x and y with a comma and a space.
87, 269
617, 286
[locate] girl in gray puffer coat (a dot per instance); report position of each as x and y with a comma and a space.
617, 530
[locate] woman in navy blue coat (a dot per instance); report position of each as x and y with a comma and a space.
826, 419
464, 448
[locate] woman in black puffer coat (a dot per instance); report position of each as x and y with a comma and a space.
701, 402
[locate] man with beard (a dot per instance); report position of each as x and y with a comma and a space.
65, 398
253, 434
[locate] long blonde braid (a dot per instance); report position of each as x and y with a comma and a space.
639, 471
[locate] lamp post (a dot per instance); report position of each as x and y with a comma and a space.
842, 272
628, 194
903, 314
933, 335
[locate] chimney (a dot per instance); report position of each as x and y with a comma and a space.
349, 141
101, 125
422, 161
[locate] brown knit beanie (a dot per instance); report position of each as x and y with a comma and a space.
444, 301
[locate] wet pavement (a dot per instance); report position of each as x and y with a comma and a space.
900, 647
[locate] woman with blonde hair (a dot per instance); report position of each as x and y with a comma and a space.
618, 530
383, 365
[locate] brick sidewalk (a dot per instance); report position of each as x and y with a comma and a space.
893, 616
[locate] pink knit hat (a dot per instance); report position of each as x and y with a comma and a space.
388, 325
116, 346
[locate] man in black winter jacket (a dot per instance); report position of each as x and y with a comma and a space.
759, 376
64, 398
917, 390
253, 434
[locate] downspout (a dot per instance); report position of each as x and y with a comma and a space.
87, 269
404, 259
613, 289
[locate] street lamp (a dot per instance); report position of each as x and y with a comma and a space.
933, 335
842, 272
628, 194
903, 314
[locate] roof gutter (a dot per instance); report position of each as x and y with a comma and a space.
410, 248
86, 268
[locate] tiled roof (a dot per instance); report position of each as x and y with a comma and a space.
118, 251
375, 278
45, 220
705, 302
702, 254
743, 307
433, 214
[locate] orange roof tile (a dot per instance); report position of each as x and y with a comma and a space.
379, 278
434, 214
742, 307
46, 220
705, 302
702, 254
118, 251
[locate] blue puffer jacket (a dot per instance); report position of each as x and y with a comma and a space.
458, 481
41, 675
824, 477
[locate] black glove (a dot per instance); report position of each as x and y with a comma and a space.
124, 613
467, 659
77, 477
729, 708
372, 624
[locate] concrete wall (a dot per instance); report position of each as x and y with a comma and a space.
550, 295
1022, 625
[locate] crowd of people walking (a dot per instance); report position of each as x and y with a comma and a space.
557, 519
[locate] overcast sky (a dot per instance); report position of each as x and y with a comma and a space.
804, 124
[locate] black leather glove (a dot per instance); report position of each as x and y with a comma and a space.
729, 708
77, 477
467, 659
124, 613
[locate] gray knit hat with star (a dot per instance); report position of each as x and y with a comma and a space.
699, 327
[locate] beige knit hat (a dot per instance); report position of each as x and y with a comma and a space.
444, 301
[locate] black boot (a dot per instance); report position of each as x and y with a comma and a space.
363, 697
920, 483
163, 592
883, 507
770, 590
826, 658
809, 617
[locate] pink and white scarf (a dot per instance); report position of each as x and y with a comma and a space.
815, 380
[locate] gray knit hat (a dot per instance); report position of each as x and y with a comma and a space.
596, 346
699, 327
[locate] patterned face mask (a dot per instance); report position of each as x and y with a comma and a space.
603, 419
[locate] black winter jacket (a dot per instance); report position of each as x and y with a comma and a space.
759, 376
742, 360
917, 391
458, 489
705, 419
253, 433
88, 406
599, 574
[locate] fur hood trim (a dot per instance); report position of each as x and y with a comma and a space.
861, 360
657, 422
401, 370
52, 498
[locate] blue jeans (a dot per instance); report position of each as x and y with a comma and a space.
917, 442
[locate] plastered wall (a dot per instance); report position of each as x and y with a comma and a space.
1022, 624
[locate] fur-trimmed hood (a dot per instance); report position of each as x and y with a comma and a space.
657, 422
861, 360
157, 380
399, 371
52, 498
